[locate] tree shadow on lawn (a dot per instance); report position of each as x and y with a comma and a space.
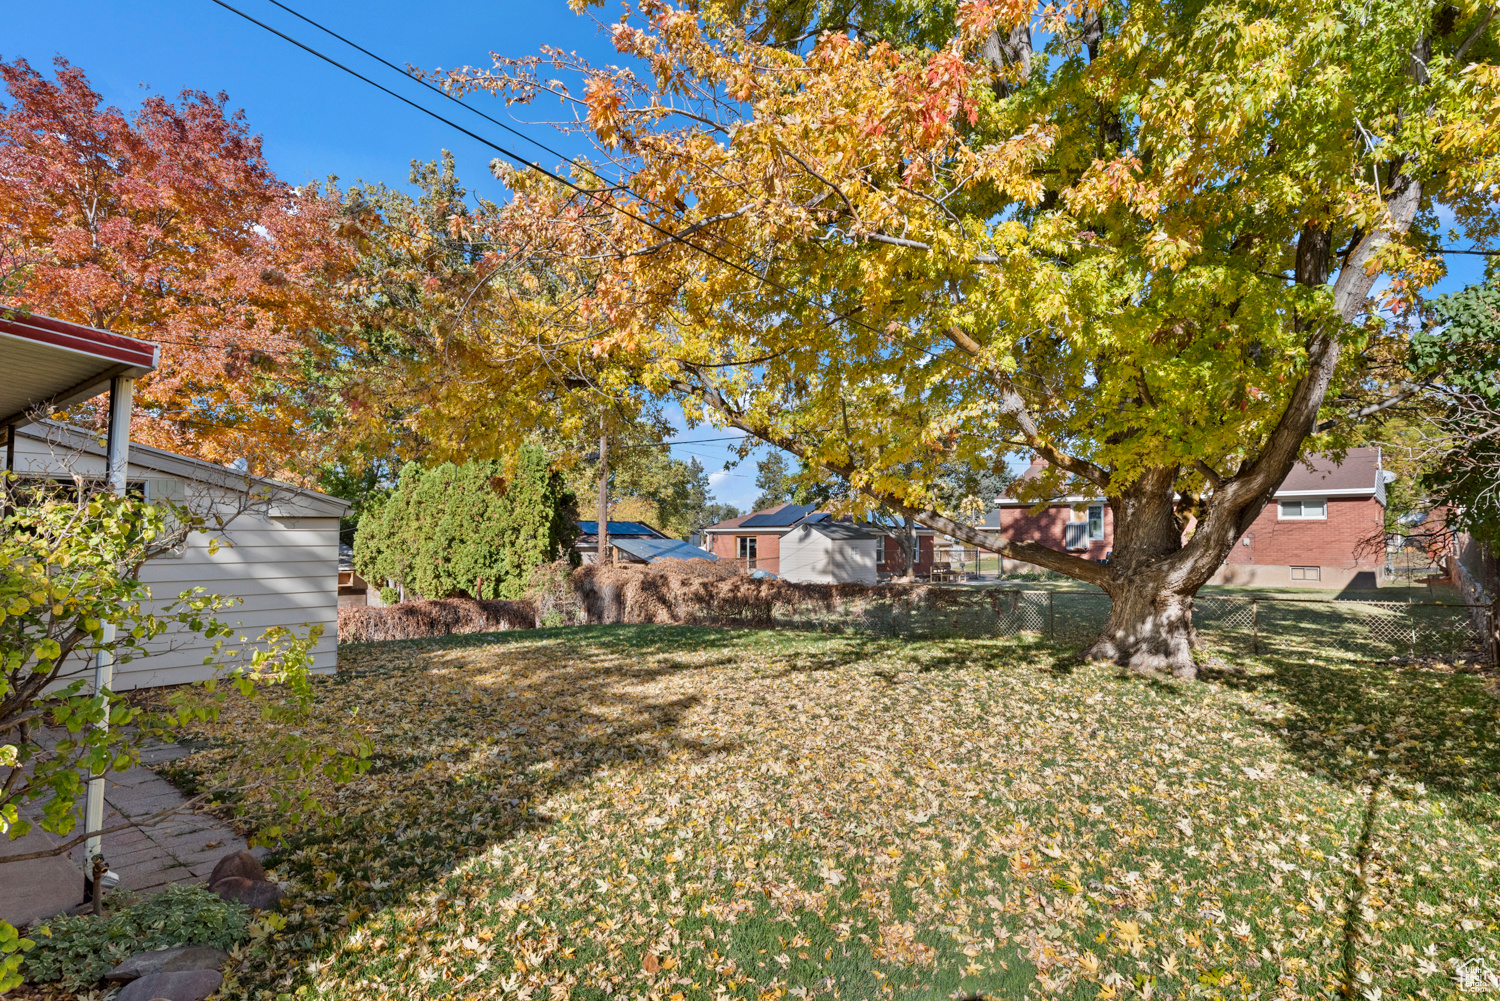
1415, 725
464, 758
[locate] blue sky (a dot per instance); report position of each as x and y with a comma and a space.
316, 120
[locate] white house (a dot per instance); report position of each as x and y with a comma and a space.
278, 552
829, 552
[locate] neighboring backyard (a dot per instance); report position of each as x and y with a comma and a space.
675, 812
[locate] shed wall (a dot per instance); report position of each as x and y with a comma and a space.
284, 568
809, 556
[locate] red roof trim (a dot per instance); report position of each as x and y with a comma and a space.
84, 340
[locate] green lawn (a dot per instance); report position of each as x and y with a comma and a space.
674, 813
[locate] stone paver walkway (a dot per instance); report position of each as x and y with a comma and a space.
184, 847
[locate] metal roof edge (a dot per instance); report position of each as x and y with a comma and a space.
1340, 492
185, 466
80, 339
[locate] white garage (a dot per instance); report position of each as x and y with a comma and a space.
829, 552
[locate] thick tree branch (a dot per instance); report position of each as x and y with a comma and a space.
1011, 403
1239, 500
1484, 22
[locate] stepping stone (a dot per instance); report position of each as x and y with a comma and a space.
187, 985
183, 957
256, 894
241, 864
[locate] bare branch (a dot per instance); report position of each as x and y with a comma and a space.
899, 241
160, 817
1369, 411
1209, 473
1484, 22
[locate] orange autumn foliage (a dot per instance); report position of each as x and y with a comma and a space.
168, 224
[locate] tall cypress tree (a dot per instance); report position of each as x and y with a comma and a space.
468, 530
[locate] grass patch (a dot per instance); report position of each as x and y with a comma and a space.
675, 812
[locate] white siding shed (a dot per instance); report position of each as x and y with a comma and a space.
829, 552
279, 552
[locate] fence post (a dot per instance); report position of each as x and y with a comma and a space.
1494, 636
1411, 613
1255, 627
1051, 619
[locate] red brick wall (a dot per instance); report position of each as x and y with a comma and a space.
768, 551
1046, 526
893, 553
726, 546
1334, 542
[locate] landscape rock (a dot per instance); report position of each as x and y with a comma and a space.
185, 985
241, 864
175, 960
255, 894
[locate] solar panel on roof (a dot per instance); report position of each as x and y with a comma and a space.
618, 528
787, 514
654, 549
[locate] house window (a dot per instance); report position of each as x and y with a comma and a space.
746, 550
880, 550
1307, 573
1301, 510
1096, 522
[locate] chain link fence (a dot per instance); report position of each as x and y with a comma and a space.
1289, 627
1357, 630
1244, 623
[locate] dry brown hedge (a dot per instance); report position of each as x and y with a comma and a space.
417, 619
698, 592
688, 592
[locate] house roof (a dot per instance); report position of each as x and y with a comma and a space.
287, 501
621, 528
773, 519
652, 550
840, 530
1359, 473
55, 363
781, 517
730, 524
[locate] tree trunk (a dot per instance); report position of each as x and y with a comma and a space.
1150, 629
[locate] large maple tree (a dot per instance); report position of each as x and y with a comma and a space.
168, 224
1149, 243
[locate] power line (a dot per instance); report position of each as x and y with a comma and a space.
564, 157
521, 162
439, 91
672, 444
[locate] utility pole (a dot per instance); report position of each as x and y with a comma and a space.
603, 492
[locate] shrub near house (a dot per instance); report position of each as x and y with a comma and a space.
472, 530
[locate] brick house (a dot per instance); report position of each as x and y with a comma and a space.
1323, 528
765, 540
1081, 524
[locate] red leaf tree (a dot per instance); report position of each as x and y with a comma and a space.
168, 224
